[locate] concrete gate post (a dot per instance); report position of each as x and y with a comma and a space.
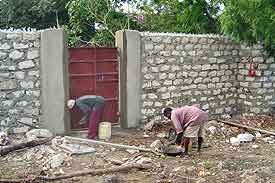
129, 45
54, 80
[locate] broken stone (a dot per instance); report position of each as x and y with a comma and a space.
144, 161
245, 137
255, 146
109, 179
162, 135
56, 161
250, 179
234, 141
157, 146
38, 133
132, 151
201, 180
149, 126
4, 140
212, 129
178, 169
220, 165
258, 135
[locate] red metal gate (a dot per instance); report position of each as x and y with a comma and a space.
94, 71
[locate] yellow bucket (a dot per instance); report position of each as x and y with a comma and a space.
105, 130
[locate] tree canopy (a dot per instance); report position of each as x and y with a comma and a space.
189, 16
96, 21
39, 14
251, 21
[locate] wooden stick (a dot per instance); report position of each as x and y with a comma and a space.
245, 126
7, 149
29, 125
126, 167
121, 146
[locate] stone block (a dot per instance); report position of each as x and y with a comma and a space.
20, 45
19, 75
148, 46
165, 68
163, 76
27, 84
165, 95
3, 55
154, 69
15, 55
5, 46
172, 75
167, 82
8, 84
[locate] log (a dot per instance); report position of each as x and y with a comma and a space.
121, 146
125, 167
247, 127
13, 147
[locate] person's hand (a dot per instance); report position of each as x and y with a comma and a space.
179, 138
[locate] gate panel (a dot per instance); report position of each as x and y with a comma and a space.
94, 71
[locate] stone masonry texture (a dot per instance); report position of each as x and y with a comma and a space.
210, 70
19, 80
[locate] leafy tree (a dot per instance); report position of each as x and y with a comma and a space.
38, 14
94, 22
188, 16
251, 21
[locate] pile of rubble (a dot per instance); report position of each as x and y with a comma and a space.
237, 136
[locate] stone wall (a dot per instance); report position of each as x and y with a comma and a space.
180, 69
255, 94
19, 80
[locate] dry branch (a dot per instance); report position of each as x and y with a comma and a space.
121, 146
122, 168
13, 147
247, 127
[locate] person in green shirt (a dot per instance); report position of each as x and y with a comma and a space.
92, 107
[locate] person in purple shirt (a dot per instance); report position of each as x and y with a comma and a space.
92, 107
189, 122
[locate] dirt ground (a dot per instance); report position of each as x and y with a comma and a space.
221, 162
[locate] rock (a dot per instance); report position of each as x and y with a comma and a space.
255, 146
157, 146
178, 169
258, 135
162, 135
146, 136
109, 179
220, 165
4, 140
8, 84
144, 161
38, 133
234, 141
245, 137
26, 64
250, 179
267, 139
56, 161
132, 151
212, 129
149, 126
201, 180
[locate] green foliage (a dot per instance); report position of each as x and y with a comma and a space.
251, 21
38, 14
85, 15
188, 16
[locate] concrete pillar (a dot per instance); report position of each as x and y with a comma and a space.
129, 45
54, 80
